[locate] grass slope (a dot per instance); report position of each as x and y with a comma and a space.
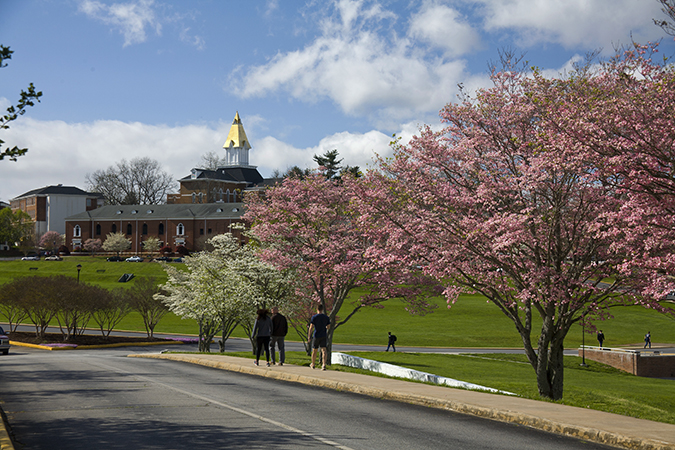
471, 322
95, 270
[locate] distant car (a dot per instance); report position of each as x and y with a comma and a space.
178, 260
31, 258
114, 259
163, 258
53, 258
4, 342
134, 259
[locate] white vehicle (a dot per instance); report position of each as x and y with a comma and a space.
134, 259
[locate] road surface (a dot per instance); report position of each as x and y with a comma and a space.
102, 399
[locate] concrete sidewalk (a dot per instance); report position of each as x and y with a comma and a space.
610, 429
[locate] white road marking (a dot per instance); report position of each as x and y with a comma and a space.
230, 407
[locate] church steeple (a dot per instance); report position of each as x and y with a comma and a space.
237, 146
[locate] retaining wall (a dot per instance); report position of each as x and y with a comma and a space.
641, 363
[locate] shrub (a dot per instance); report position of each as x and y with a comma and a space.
181, 250
64, 250
166, 249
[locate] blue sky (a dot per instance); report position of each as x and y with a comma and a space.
129, 78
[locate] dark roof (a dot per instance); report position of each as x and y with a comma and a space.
247, 175
155, 212
251, 176
270, 182
60, 190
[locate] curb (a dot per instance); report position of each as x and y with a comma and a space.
89, 347
589, 434
5, 440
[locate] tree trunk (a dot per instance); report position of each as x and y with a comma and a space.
550, 362
550, 371
329, 345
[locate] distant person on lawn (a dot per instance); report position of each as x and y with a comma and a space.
279, 331
318, 334
648, 339
392, 339
601, 338
262, 330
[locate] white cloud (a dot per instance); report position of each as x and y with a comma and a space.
364, 70
195, 40
443, 27
131, 19
59, 152
574, 23
271, 8
355, 149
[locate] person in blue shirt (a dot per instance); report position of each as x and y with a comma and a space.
318, 334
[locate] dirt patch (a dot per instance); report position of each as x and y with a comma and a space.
85, 339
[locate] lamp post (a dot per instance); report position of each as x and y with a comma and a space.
79, 267
583, 342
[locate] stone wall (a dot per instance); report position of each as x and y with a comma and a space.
640, 363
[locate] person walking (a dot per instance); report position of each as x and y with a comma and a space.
601, 338
279, 331
390, 343
317, 335
648, 339
262, 330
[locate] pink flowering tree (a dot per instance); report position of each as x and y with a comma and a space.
622, 113
93, 246
307, 226
501, 203
51, 240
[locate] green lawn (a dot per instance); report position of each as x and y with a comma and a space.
471, 322
95, 270
597, 386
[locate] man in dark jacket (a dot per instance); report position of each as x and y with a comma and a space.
601, 338
391, 342
279, 331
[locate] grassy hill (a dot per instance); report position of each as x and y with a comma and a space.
471, 322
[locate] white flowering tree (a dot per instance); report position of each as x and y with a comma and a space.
116, 242
152, 244
268, 286
222, 288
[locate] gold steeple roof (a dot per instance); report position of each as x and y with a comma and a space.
237, 136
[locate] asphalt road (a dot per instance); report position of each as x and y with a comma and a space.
101, 399
243, 345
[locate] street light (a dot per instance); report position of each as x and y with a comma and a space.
583, 342
79, 267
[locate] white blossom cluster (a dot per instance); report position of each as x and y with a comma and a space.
223, 288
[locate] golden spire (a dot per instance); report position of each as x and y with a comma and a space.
237, 137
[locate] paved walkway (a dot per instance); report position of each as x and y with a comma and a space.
606, 428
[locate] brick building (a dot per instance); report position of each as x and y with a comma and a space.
209, 202
49, 206
181, 224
